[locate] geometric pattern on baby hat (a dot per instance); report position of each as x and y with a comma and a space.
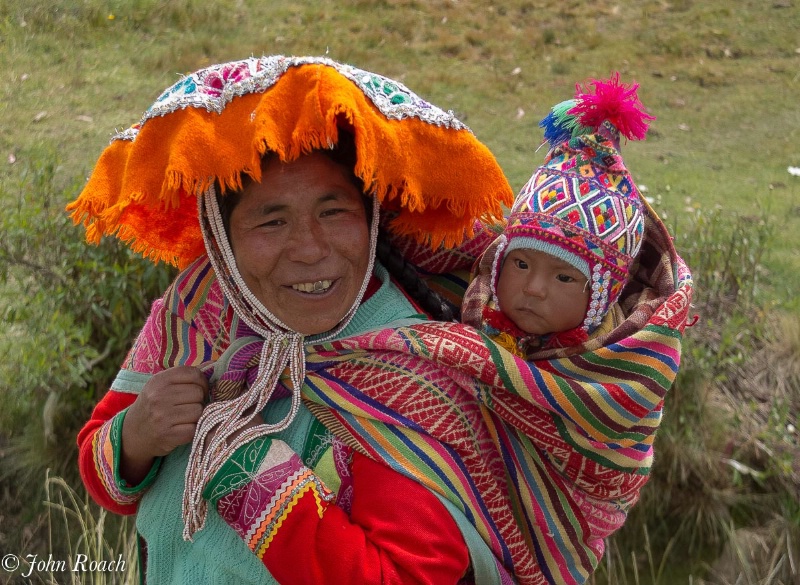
561, 233
584, 201
591, 204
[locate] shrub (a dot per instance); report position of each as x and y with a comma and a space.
70, 311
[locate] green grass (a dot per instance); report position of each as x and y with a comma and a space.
721, 76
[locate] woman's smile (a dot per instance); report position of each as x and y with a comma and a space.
316, 288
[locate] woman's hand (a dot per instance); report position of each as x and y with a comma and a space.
163, 417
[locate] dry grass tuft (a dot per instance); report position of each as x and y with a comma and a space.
764, 395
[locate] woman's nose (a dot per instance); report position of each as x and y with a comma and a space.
308, 243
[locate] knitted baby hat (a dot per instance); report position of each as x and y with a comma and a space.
582, 205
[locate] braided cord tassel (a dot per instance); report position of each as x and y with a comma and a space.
282, 347
212, 445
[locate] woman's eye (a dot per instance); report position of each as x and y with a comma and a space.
273, 223
333, 211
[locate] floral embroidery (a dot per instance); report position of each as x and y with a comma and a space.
258, 509
214, 87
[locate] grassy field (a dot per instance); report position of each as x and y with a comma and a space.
721, 76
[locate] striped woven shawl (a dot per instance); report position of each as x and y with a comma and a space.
545, 458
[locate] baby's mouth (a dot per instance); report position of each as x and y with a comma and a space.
316, 288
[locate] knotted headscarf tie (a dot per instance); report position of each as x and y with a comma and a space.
236, 370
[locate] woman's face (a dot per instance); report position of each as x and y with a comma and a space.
301, 241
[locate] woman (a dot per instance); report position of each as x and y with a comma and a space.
420, 451
294, 242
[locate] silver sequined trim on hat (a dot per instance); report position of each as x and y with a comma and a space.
214, 87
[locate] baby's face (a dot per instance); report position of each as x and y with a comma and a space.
540, 293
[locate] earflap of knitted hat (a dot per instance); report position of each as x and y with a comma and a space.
582, 205
214, 126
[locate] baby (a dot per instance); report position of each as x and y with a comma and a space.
553, 278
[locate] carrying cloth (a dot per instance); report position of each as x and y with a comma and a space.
546, 457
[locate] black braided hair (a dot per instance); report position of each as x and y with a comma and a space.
408, 277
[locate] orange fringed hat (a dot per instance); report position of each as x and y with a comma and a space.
214, 125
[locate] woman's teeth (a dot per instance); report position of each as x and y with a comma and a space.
313, 287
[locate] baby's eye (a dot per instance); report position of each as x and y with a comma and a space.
565, 278
521, 264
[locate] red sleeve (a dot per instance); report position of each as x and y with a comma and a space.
95, 454
100, 440
396, 530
